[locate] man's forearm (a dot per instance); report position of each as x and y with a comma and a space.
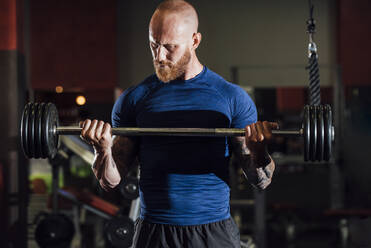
105, 169
258, 167
259, 171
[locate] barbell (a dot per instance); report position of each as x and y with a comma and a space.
40, 131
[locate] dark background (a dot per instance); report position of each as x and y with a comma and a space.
99, 48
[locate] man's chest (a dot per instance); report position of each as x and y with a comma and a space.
172, 107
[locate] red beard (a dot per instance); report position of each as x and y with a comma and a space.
167, 71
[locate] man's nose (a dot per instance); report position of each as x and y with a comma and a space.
161, 54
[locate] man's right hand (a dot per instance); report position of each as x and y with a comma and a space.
97, 133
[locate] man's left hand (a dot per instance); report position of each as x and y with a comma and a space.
257, 136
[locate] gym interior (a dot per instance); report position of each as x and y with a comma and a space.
82, 55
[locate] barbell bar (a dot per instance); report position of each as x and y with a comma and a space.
40, 131
195, 132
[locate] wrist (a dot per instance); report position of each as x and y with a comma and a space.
103, 151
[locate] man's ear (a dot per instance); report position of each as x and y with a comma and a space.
196, 40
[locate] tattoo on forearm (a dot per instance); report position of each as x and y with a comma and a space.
259, 176
269, 170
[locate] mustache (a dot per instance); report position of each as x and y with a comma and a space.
162, 63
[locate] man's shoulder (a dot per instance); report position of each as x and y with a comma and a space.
210, 74
135, 92
145, 85
222, 84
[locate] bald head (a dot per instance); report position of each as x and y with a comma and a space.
176, 12
173, 40
175, 20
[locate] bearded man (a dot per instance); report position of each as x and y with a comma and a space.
184, 192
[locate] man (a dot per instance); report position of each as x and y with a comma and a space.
183, 182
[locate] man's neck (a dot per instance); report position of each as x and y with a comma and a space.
195, 68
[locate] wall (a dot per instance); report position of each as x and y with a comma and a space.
12, 94
354, 41
354, 54
73, 44
267, 38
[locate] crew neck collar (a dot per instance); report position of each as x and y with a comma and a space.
176, 81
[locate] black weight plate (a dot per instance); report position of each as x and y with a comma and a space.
328, 132
306, 131
313, 133
129, 188
38, 131
24, 129
54, 230
119, 232
54, 123
49, 138
320, 133
41, 130
44, 133
31, 130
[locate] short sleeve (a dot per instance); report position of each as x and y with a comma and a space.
243, 109
123, 112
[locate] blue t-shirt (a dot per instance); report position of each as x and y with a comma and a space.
184, 180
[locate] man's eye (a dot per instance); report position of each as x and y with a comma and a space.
153, 45
170, 47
